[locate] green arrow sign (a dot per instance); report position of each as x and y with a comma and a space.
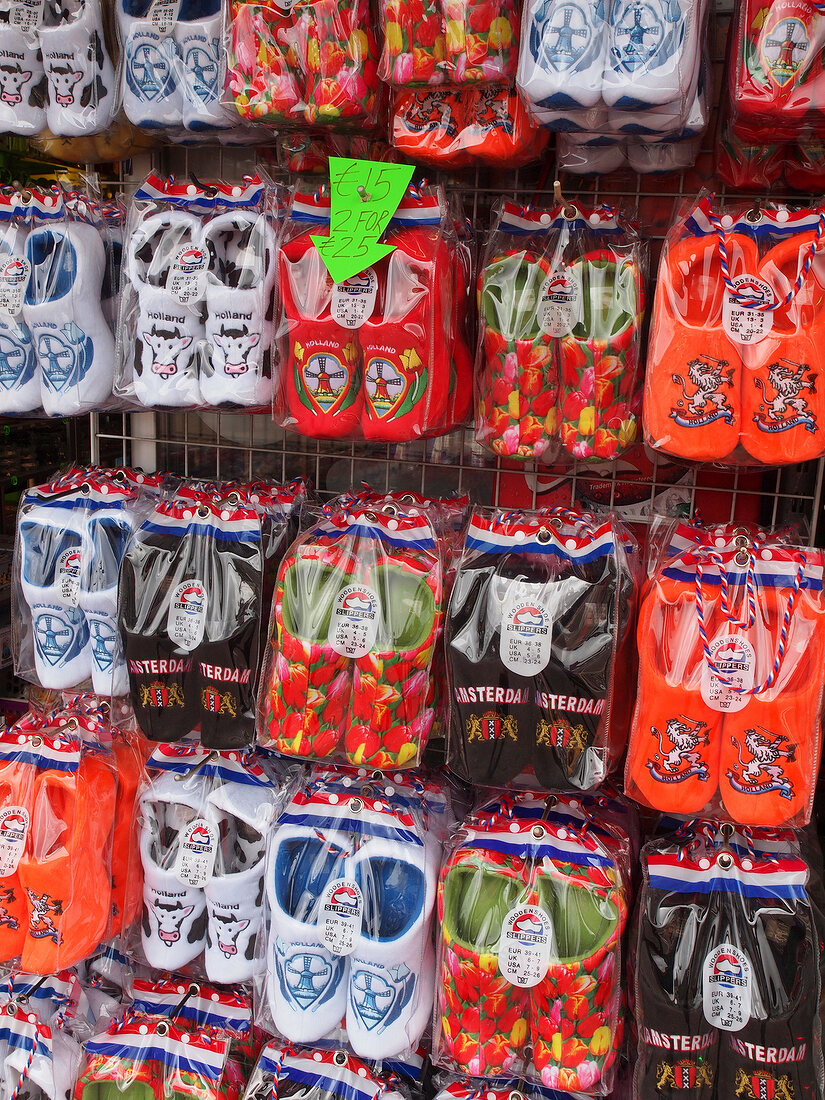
365, 195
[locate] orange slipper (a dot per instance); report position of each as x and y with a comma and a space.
673, 757
692, 398
783, 392
16, 796
65, 872
127, 870
770, 748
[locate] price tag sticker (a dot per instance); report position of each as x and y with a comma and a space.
68, 576
163, 15
727, 983
353, 301
26, 15
734, 656
559, 307
744, 324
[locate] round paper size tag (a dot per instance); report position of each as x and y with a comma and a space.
187, 614
745, 324
353, 626
559, 307
527, 941
526, 636
68, 576
14, 278
14, 828
196, 853
353, 301
736, 660
186, 282
342, 906
727, 981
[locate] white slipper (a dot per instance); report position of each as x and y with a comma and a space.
167, 335
22, 84
239, 309
198, 36
306, 983
173, 927
150, 83
654, 51
106, 537
234, 895
61, 308
563, 53
593, 121
387, 984
19, 369
50, 544
78, 69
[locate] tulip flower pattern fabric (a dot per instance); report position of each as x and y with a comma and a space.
316, 64
561, 322
358, 611
433, 42
532, 915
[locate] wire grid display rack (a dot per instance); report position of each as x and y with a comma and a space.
232, 445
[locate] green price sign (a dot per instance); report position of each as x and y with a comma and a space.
365, 195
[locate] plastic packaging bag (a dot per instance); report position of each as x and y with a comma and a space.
204, 822
561, 308
309, 64
734, 352
532, 902
197, 304
728, 704
58, 808
538, 641
456, 127
351, 881
356, 617
72, 534
190, 613
727, 968
375, 357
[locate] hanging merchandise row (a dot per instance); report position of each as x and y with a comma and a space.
359, 915
395, 619
224, 301
451, 83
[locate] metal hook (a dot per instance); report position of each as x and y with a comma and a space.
194, 770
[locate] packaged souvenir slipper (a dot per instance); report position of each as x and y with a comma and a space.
562, 301
728, 704
72, 534
323, 1074
726, 965
457, 127
448, 42
532, 903
734, 350
197, 305
351, 882
311, 64
356, 617
190, 617
204, 817
538, 639
374, 357
59, 797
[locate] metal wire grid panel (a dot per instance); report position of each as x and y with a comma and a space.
223, 445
